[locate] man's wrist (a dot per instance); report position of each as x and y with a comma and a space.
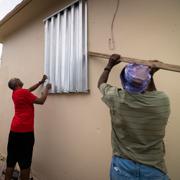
108, 68
40, 82
152, 74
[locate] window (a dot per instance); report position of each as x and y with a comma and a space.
66, 49
1, 47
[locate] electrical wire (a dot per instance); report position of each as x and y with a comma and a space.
111, 39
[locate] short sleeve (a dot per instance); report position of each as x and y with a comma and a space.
109, 93
30, 96
107, 89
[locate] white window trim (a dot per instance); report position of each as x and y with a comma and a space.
1, 51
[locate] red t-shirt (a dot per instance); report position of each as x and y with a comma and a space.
23, 120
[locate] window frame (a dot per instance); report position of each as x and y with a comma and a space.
1, 53
84, 47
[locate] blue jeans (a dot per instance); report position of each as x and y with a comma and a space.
124, 169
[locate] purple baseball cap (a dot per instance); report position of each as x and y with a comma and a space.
135, 78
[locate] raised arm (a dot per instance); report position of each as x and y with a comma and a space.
113, 60
152, 86
35, 86
44, 95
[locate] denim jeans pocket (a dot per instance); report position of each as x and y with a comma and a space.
118, 171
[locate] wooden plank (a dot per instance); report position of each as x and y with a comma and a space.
150, 63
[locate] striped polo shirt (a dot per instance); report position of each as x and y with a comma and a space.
138, 124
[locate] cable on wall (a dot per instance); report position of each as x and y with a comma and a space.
111, 40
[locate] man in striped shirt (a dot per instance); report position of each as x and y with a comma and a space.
139, 115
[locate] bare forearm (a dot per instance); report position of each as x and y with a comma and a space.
113, 60
153, 70
35, 86
151, 86
105, 75
43, 97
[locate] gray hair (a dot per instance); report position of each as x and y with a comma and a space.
12, 83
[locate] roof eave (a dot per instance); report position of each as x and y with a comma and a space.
18, 8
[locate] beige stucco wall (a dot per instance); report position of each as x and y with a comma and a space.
73, 131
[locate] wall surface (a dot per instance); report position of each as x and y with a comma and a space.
73, 131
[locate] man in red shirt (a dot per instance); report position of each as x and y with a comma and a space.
21, 136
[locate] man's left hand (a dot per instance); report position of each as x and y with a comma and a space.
43, 79
154, 67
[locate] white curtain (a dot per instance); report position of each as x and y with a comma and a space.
66, 49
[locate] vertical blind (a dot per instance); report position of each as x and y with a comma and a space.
66, 49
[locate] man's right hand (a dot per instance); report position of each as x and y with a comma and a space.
48, 86
114, 59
